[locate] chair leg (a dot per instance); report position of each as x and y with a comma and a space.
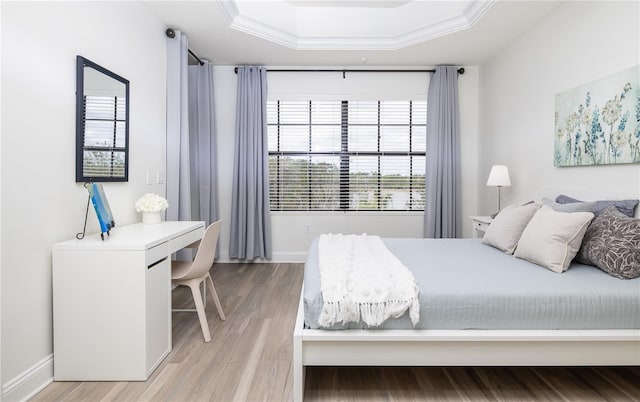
214, 295
202, 315
204, 293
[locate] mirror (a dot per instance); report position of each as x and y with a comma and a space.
102, 124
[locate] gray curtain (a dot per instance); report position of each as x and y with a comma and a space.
442, 202
191, 149
202, 144
250, 216
178, 163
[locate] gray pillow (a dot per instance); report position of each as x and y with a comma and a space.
627, 207
570, 207
612, 243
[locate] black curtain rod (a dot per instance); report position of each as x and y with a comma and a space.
344, 71
196, 57
172, 34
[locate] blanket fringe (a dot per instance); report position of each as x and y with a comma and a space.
373, 314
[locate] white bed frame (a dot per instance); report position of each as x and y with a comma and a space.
458, 348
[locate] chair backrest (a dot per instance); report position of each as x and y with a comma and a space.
206, 251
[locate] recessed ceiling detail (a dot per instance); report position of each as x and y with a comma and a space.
351, 25
349, 3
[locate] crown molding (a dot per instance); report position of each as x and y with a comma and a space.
456, 23
477, 9
264, 31
229, 10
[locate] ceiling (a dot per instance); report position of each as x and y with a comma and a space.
350, 32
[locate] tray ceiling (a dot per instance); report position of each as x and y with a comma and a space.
350, 32
351, 25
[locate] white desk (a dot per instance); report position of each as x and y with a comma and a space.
112, 301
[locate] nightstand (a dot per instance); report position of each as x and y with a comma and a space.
480, 225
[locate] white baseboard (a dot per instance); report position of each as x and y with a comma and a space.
284, 257
290, 256
31, 381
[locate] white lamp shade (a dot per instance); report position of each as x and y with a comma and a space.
499, 176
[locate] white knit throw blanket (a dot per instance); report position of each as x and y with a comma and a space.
361, 280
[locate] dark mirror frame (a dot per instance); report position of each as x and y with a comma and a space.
81, 63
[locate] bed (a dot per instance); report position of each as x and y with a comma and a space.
479, 307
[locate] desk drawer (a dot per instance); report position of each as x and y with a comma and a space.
156, 253
180, 242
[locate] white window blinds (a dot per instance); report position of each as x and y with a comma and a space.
346, 154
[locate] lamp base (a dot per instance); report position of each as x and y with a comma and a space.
499, 207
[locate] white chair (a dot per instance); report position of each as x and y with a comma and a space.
192, 274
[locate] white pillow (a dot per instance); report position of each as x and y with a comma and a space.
505, 230
552, 238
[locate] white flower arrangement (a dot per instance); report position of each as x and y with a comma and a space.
151, 203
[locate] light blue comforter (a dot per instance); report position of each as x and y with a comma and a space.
465, 284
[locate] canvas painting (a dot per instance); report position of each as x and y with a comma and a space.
599, 123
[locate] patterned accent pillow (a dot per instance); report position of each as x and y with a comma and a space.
612, 243
627, 207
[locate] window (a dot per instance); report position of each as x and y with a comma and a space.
347, 155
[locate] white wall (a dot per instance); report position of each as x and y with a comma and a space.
579, 43
41, 203
289, 229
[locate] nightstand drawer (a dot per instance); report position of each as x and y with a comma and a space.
480, 225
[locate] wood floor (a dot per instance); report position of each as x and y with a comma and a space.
249, 359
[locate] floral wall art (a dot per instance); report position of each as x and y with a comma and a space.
599, 123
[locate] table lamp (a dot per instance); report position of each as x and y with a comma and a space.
499, 177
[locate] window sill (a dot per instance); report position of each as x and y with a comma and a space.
347, 213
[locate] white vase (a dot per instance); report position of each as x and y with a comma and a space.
149, 218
